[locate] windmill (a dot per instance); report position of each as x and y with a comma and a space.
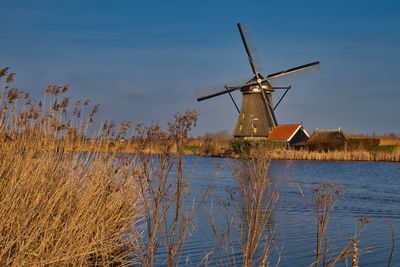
256, 115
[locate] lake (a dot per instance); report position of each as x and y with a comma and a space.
370, 188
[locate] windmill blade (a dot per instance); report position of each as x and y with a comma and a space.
203, 95
209, 92
311, 65
250, 49
287, 76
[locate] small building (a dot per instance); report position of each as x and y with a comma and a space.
327, 140
290, 134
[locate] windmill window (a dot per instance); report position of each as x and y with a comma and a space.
240, 127
243, 115
255, 129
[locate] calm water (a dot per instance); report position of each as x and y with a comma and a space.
371, 189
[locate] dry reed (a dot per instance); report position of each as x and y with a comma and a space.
340, 155
324, 198
164, 189
254, 205
58, 207
258, 202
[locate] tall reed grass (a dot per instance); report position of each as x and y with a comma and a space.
321, 205
250, 219
340, 155
163, 186
59, 207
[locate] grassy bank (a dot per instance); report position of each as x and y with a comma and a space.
357, 155
388, 150
224, 149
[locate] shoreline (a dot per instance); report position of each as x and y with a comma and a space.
274, 154
303, 159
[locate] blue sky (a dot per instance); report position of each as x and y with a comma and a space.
142, 60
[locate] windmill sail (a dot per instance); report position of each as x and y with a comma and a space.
209, 92
250, 48
282, 78
286, 77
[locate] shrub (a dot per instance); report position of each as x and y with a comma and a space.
241, 146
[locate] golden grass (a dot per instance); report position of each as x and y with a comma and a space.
62, 208
388, 150
386, 140
59, 207
222, 149
66, 199
357, 155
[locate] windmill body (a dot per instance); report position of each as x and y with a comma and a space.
255, 118
256, 115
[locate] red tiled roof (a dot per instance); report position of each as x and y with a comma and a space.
284, 132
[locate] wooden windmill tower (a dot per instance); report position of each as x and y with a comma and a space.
256, 115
